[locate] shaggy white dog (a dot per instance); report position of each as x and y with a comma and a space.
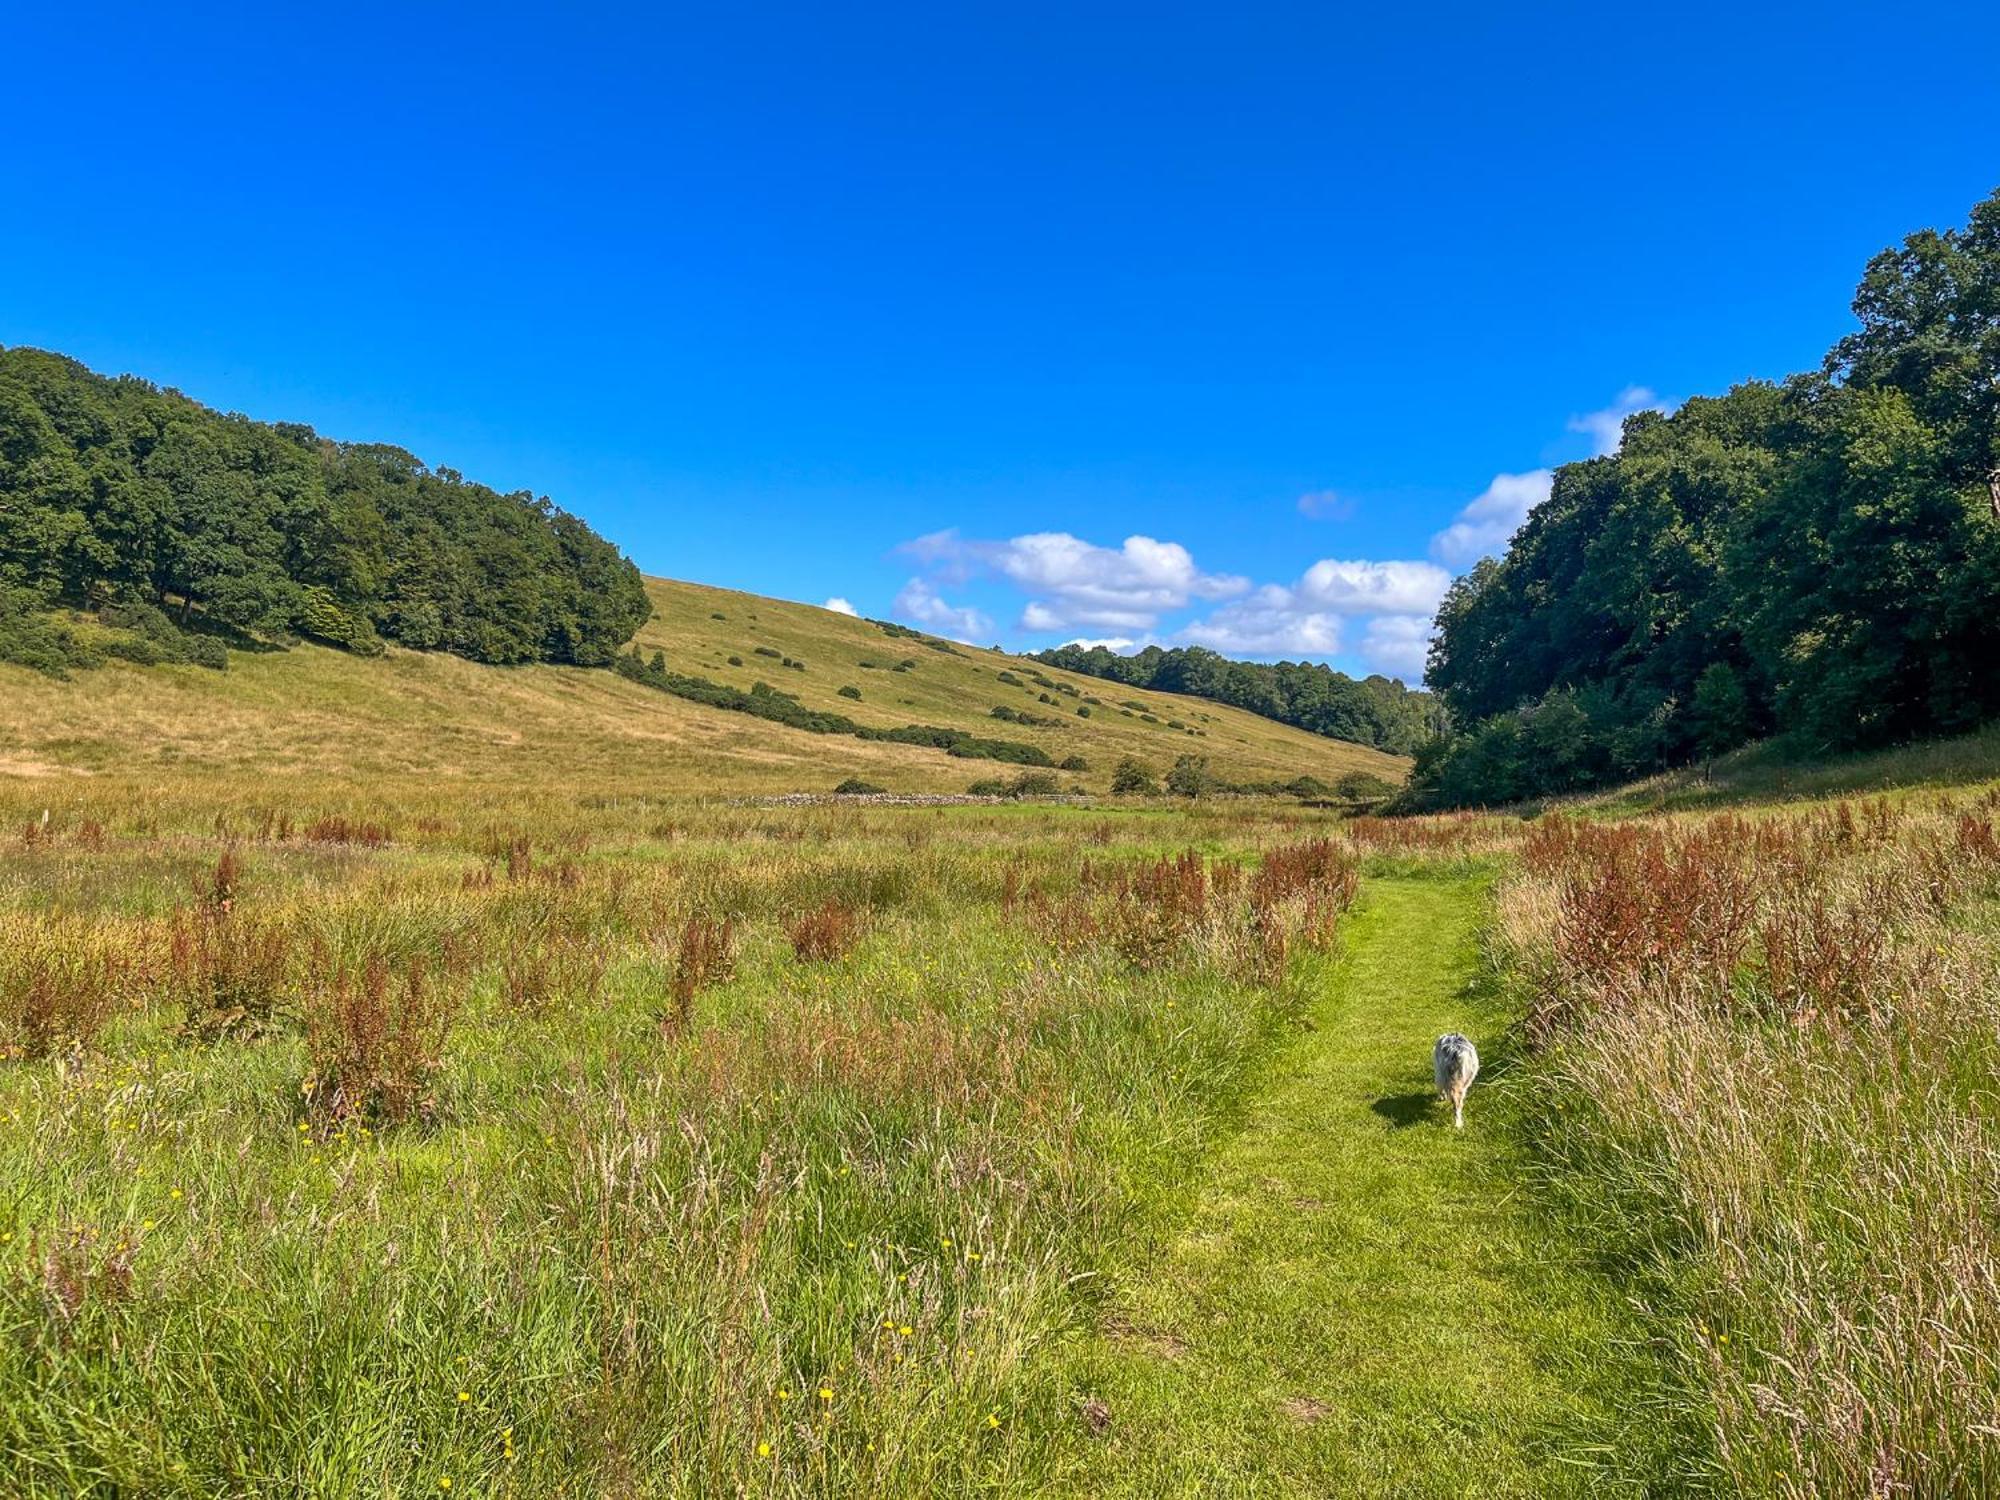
1454, 1063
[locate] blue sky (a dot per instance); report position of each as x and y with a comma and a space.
1027, 322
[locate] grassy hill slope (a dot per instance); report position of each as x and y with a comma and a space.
318, 712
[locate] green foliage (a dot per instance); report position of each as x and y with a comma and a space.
1819, 559
1721, 709
1190, 777
851, 691
1073, 763
1362, 786
31, 638
1025, 784
1131, 779
766, 702
854, 786
1021, 716
1376, 711
114, 491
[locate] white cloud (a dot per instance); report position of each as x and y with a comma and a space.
1366, 588
1607, 426
841, 607
1484, 526
1122, 645
1326, 505
920, 602
1271, 622
1071, 582
1397, 645
1305, 620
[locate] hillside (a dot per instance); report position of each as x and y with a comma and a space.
315, 712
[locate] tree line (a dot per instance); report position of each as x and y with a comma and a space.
1817, 558
118, 496
1377, 711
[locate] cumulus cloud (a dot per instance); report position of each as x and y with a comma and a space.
1122, 645
841, 607
1071, 582
1271, 622
1483, 527
920, 602
1606, 427
1396, 645
1366, 588
1397, 599
1326, 505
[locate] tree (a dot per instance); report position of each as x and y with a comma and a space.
1721, 710
1190, 777
1131, 779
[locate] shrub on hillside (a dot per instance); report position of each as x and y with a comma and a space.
1191, 777
854, 786
1131, 779
851, 691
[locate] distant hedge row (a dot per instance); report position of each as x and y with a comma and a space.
767, 702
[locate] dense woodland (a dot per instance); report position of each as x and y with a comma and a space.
187, 527
1817, 559
1376, 711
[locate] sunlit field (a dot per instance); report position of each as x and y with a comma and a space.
395, 1141
1763, 1081
527, 1146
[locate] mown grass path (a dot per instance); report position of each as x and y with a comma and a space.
1360, 1301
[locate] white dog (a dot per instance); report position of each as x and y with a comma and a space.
1454, 1063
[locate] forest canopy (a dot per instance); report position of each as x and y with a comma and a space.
118, 496
1817, 558
1376, 711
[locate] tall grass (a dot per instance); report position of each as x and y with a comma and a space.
354, 1146
1766, 1078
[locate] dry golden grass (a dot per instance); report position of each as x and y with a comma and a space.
317, 713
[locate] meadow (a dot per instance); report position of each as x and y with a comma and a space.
398, 1137
621, 1148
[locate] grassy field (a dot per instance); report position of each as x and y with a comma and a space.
564, 1129
317, 714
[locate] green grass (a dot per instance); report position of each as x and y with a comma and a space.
1771, 773
1359, 1300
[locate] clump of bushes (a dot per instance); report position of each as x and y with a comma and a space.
771, 651
1131, 779
1073, 763
850, 691
1021, 716
1191, 777
1026, 784
735, 661
854, 786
